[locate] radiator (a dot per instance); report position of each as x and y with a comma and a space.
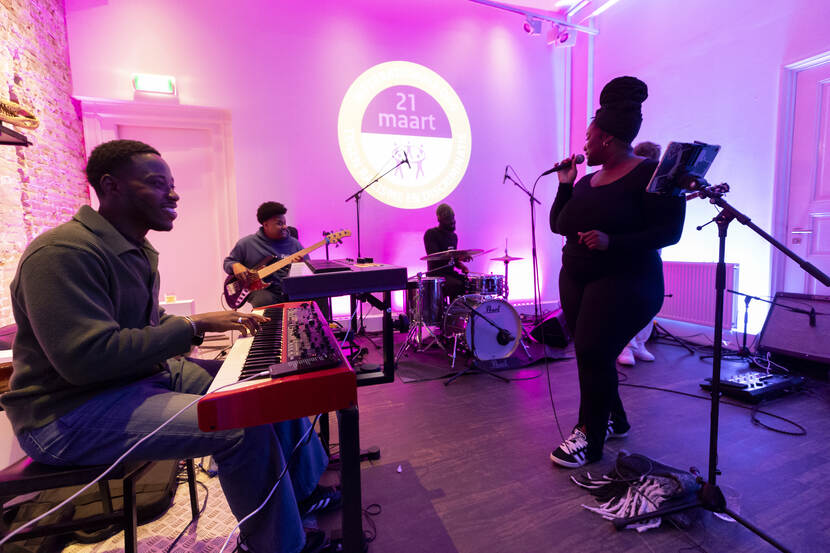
690, 290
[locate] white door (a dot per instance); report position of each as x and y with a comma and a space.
808, 218
195, 143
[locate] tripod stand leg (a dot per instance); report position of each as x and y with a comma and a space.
621, 523
434, 342
410, 337
465, 370
524, 346
672, 337
757, 531
479, 368
454, 350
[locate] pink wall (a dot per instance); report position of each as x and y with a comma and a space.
282, 70
713, 70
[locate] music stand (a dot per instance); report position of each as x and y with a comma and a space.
710, 496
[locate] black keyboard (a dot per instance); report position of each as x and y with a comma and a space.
294, 341
325, 266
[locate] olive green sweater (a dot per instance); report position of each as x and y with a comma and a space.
85, 300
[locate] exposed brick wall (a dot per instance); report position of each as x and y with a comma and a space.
41, 185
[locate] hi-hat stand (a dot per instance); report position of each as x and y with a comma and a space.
710, 496
415, 338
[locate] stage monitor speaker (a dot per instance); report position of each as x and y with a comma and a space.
790, 334
552, 331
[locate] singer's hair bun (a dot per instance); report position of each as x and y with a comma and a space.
619, 114
624, 93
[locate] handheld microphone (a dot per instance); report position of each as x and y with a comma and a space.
503, 337
406, 159
564, 165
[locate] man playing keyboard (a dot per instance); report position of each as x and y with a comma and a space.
98, 364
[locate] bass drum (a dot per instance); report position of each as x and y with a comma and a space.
481, 338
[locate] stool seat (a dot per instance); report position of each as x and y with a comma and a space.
26, 475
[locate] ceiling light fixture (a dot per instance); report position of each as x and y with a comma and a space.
532, 26
533, 20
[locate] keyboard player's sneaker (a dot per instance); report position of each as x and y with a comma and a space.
323, 498
315, 542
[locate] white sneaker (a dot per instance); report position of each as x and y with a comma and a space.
626, 357
641, 353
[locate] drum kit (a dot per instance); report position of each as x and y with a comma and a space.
481, 322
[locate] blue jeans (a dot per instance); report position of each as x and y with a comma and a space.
250, 460
266, 296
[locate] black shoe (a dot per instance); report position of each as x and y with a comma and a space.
315, 541
573, 452
617, 430
323, 498
241, 546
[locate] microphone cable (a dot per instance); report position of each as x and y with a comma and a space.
301, 441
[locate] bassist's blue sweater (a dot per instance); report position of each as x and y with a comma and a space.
251, 250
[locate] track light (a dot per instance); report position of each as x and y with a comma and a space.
561, 36
532, 26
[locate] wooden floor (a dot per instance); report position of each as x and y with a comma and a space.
466, 467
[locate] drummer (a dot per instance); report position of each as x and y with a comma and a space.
442, 238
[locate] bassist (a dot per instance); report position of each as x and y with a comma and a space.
270, 243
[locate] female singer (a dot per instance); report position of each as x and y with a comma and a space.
611, 283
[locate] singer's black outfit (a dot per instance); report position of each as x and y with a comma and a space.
608, 296
437, 239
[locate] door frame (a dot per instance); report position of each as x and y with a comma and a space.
783, 161
102, 117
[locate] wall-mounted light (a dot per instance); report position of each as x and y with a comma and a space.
532, 26
157, 84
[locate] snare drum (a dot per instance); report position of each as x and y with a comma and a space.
478, 336
425, 300
486, 285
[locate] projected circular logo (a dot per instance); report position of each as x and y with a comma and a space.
399, 109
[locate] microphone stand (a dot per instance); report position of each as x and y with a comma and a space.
358, 194
356, 197
744, 351
710, 496
537, 308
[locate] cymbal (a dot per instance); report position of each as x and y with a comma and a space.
506, 258
485, 251
451, 254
